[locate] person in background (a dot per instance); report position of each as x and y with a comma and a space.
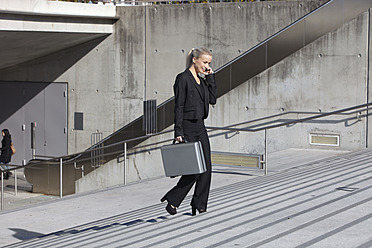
6, 152
194, 90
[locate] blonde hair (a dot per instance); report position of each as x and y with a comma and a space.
196, 53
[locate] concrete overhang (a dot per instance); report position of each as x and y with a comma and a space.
33, 29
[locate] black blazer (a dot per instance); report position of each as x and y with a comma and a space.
6, 152
190, 103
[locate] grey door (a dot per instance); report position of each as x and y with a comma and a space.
42, 103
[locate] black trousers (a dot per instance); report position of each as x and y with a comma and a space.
203, 181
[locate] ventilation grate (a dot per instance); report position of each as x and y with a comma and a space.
324, 139
222, 158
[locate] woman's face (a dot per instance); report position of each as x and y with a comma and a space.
202, 64
3, 134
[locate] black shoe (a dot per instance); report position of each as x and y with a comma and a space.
171, 209
6, 176
193, 211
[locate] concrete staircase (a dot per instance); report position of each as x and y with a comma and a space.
318, 200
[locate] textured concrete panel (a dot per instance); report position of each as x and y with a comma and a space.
227, 29
327, 75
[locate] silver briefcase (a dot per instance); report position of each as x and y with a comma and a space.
183, 159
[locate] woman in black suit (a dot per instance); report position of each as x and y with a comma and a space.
194, 90
6, 152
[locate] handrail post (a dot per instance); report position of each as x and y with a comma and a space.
33, 139
2, 190
125, 163
15, 183
266, 151
60, 178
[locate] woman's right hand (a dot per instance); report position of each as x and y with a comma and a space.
179, 139
207, 70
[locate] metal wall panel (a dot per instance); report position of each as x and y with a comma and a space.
324, 20
79, 121
248, 66
42, 103
286, 42
150, 116
18, 135
223, 80
354, 7
56, 120
165, 114
35, 112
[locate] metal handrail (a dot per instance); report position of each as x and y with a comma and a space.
350, 110
317, 116
229, 127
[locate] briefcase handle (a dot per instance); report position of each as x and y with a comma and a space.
183, 141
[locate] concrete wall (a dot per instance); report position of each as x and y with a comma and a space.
109, 78
327, 75
169, 32
228, 29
